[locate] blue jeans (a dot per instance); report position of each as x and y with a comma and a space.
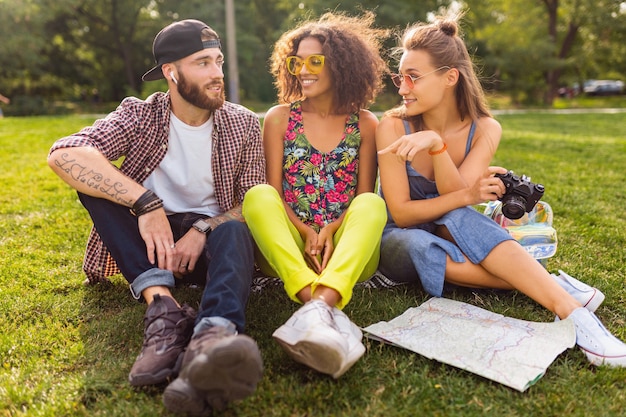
417, 253
225, 270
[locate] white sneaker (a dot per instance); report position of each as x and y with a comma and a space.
588, 296
312, 337
596, 342
353, 335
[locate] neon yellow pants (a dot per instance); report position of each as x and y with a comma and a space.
281, 248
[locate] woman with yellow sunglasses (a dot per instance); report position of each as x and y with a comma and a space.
318, 223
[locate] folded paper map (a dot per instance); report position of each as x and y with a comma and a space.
510, 351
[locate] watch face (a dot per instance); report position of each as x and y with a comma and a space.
202, 226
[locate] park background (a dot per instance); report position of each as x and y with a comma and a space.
66, 349
59, 56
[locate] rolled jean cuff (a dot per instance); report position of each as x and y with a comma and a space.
151, 278
208, 322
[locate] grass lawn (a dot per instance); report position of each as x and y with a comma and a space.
66, 349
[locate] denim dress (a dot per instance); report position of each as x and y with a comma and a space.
416, 253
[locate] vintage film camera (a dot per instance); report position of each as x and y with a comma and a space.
521, 195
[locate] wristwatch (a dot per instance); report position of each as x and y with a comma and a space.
202, 226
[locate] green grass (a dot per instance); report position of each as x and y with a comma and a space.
66, 349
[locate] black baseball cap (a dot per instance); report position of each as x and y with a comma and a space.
176, 41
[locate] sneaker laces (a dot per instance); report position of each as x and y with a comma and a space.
325, 313
163, 324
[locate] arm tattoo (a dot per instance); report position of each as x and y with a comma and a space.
93, 179
235, 214
232, 214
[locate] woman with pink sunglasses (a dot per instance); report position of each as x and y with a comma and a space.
434, 155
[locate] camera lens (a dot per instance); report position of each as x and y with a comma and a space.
513, 207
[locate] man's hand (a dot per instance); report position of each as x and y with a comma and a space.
188, 250
156, 232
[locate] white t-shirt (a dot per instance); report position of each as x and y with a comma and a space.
184, 179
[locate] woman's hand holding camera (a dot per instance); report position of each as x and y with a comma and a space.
488, 187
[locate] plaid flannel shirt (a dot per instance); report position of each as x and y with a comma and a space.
138, 130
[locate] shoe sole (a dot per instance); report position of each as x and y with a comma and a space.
594, 302
598, 360
164, 375
230, 370
142, 380
180, 397
323, 355
602, 348
596, 299
353, 356
354, 335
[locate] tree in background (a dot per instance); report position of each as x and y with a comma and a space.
532, 48
68, 49
23, 70
602, 51
565, 20
505, 38
109, 35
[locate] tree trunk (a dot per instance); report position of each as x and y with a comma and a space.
553, 75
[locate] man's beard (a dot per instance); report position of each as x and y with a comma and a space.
197, 96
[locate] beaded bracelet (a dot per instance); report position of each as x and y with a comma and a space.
442, 150
148, 202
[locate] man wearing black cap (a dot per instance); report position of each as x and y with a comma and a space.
173, 211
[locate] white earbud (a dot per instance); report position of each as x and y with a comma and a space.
173, 78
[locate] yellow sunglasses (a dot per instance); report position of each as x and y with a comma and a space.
314, 64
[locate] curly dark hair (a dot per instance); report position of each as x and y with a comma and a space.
351, 46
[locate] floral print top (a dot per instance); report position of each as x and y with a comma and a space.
319, 186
